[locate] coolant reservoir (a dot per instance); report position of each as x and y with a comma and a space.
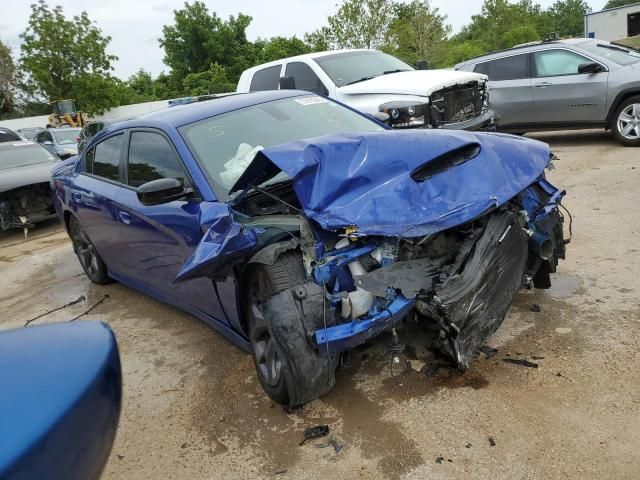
356, 303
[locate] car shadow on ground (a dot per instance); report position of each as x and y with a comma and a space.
576, 138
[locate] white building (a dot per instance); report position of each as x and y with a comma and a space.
614, 23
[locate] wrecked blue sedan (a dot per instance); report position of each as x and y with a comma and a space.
300, 228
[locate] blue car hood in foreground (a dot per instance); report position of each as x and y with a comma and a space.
369, 180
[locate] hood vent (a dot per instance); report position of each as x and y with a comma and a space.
444, 162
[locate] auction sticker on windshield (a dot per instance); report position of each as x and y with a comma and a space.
310, 100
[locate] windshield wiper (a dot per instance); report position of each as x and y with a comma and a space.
396, 71
363, 79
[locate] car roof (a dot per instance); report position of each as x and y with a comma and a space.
183, 114
308, 56
523, 47
12, 145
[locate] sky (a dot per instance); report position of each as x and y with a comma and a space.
136, 25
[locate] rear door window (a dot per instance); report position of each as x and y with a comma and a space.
554, 63
514, 67
305, 78
104, 159
151, 157
266, 79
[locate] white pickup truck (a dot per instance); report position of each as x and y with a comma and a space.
380, 85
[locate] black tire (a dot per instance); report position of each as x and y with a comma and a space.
90, 260
625, 124
289, 368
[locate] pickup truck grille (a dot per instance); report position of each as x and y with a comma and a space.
457, 104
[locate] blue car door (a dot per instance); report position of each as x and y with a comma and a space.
93, 194
160, 238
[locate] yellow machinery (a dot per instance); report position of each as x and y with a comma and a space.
65, 114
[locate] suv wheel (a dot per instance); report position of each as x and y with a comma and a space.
626, 122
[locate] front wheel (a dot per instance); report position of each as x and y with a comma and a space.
282, 311
89, 258
626, 122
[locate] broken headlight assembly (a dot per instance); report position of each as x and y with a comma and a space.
405, 114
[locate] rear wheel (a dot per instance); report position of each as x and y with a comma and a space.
88, 256
626, 122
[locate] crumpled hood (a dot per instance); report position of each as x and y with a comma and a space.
365, 180
413, 82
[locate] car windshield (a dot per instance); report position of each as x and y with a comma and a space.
619, 55
14, 155
226, 144
66, 136
357, 66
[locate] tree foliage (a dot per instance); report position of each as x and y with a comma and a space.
8, 79
67, 58
619, 3
566, 17
199, 38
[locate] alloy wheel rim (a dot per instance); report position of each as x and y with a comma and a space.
264, 347
84, 250
629, 122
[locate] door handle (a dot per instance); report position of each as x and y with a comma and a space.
124, 217
543, 85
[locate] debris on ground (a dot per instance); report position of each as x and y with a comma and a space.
315, 432
536, 357
439, 459
563, 330
488, 351
521, 361
280, 472
88, 310
535, 308
417, 365
337, 446
72, 302
468, 445
492, 442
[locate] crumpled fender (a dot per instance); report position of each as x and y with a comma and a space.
364, 180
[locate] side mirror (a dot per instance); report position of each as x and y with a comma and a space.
287, 83
163, 190
590, 67
423, 65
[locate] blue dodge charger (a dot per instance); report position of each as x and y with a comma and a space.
300, 228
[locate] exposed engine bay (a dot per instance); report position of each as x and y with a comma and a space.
459, 282
24, 206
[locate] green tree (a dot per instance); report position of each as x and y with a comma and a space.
213, 80
619, 3
8, 80
319, 40
199, 38
142, 85
280, 47
566, 17
67, 58
418, 32
356, 24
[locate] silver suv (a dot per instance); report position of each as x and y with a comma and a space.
564, 84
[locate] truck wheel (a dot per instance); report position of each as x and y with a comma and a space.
289, 368
89, 258
626, 122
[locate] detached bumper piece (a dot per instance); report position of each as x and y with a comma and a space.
472, 303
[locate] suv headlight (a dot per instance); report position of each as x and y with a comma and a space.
405, 114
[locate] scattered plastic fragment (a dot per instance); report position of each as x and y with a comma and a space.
535, 308
488, 351
439, 459
492, 442
337, 446
521, 361
315, 432
468, 445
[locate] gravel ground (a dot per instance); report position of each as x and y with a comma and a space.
193, 407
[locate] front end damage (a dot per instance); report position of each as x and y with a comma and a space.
444, 227
25, 206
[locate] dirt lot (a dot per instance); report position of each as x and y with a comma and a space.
193, 407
